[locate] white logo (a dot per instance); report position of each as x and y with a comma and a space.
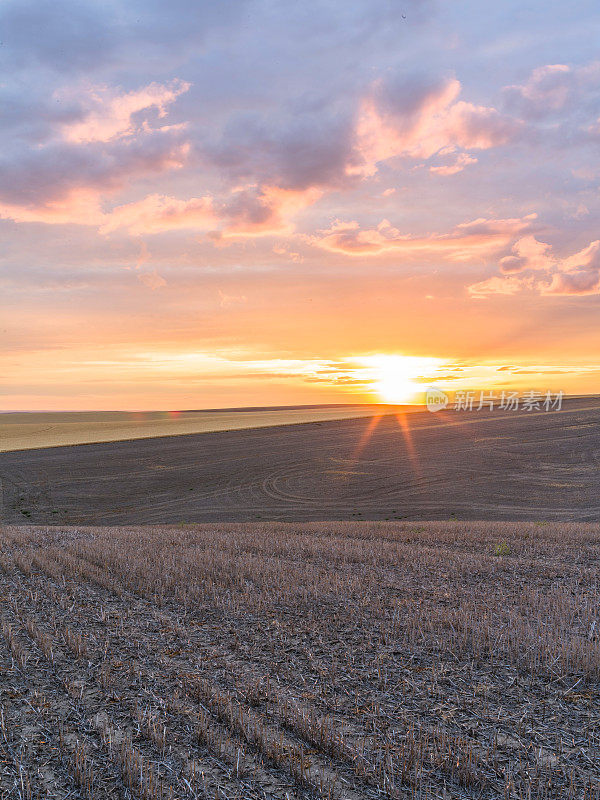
435, 399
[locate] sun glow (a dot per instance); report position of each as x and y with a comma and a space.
398, 379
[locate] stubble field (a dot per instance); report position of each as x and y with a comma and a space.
31, 430
272, 660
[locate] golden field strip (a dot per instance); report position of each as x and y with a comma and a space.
320, 660
26, 431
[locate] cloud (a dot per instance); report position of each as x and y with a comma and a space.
152, 280
575, 283
65, 35
265, 211
417, 117
335, 145
496, 285
79, 207
78, 36
291, 254
310, 150
461, 161
528, 253
157, 213
143, 257
578, 274
33, 115
478, 127
110, 113
246, 212
95, 152
228, 300
553, 89
64, 184
469, 240
395, 118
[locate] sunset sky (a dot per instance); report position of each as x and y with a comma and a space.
260, 203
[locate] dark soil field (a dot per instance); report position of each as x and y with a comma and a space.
273, 661
419, 465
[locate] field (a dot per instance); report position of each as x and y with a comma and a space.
344, 660
25, 431
418, 465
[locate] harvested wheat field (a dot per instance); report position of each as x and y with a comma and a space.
467, 465
331, 660
27, 431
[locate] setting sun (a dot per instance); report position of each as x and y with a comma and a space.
397, 379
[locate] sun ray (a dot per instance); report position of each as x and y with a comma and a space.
409, 442
366, 436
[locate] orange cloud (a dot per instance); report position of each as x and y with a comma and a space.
466, 241
228, 300
152, 280
496, 285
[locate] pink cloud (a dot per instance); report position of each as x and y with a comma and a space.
460, 162
477, 127
588, 257
421, 127
578, 274
528, 253
381, 135
574, 283
247, 212
110, 114
158, 213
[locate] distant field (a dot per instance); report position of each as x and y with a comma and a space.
418, 465
24, 431
339, 661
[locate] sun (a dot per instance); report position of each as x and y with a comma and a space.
398, 379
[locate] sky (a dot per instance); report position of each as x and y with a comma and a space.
265, 203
